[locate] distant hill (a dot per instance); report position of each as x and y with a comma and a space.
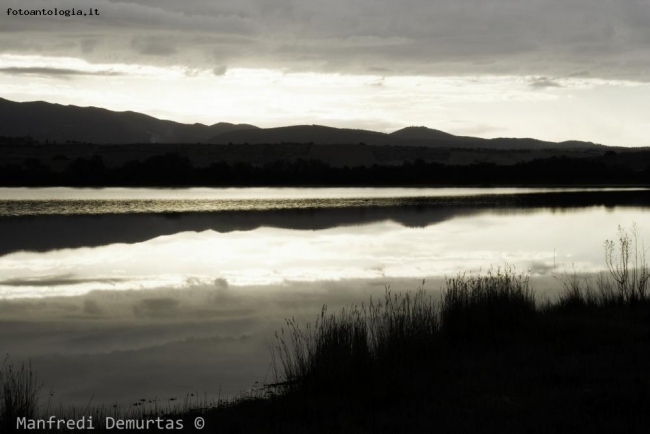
407, 137
321, 135
422, 133
54, 122
315, 134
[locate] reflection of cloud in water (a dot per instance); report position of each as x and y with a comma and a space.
55, 280
160, 307
123, 224
121, 346
127, 345
266, 256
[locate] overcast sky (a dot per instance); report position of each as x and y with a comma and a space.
557, 70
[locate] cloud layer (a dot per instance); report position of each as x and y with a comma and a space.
598, 38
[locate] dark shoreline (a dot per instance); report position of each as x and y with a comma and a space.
24, 162
176, 170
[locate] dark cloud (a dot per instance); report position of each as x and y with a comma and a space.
221, 283
220, 70
88, 45
578, 74
55, 72
528, 37
153, 47
543, 83
58, 280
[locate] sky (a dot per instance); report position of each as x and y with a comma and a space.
549, 69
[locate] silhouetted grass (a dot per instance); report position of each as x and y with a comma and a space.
401, 331
19, 393
344, 349
625, 284
485, 307
485, 358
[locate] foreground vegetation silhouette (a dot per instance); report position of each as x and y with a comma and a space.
486, 357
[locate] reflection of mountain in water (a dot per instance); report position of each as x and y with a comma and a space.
48, 232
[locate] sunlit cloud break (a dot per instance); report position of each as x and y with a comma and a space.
547, 108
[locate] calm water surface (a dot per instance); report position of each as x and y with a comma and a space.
124, 294
65, 241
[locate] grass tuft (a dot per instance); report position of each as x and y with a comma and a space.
359, 344
478, 308
19, 394
346, 348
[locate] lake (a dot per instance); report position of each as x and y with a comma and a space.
121, 294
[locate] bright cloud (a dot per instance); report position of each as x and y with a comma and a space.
577, 69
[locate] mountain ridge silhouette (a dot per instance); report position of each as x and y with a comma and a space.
51, 122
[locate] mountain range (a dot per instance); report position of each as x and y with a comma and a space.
68, 123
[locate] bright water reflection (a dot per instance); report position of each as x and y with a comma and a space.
123, 294
539, 240
67, 201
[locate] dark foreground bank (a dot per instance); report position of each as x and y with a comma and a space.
491, 361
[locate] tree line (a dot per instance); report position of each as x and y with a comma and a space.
174, 169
